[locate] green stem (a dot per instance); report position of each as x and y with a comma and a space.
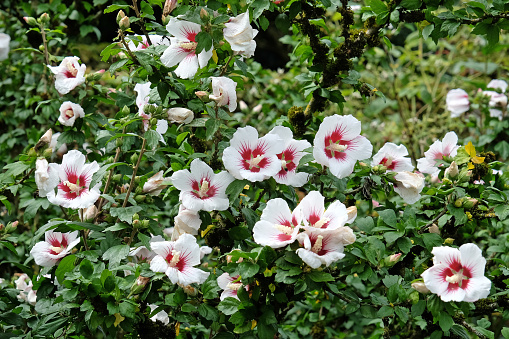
131, 184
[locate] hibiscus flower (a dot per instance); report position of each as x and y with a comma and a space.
316, 217
290, 157
437, 151
230, 285
74, 188
69, 112
320, 248
142, 100
177, 258
393, 157
338, 144
69, 74
457, 102
409, 186
252, 158
56, 246
224, 92
45, 177
182, 50
240, 35
201, 189
458, 274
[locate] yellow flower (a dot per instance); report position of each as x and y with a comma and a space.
474, 159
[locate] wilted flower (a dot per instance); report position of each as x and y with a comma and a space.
56, 246
252, 158
202, 189
497, 100
53, 144
437, 151
154, 184
186, 221
457, 102
90, 213
224, 92
27, 293
177, 258
142, 100
338, 144
240, 35
46, 178
68, 75
352, 214
458, 274
290, 158
180, 115
182, 50
75, 177
69, 112
452, 171
420, 287
393, 157
409, 186
498, 84
169, 6
161, 316
4, 46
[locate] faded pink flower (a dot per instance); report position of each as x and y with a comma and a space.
457, 102
437, 151
224, 92
230, 285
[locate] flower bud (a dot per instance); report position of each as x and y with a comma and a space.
134, 158
136, 216
125, 110
469, 203
95, 76
119, 142
434, 229
165, 20
153, 122
448, 241
420, 287
44, 18
202, 95
116, 177
120, 16
30, 20
392, 259
189, 290
136, 223
140, 198
203, 13
458, 203
139, 284
145, 223
11, 226
452, 172
352, 214
90, 213
180, 115
169, 6
447, 181
2, 227
44, 140
124, 23
464, 175
32, 152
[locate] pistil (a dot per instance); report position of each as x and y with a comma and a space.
175, 258
317, 247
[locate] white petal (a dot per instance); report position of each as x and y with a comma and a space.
188, 67
158, 264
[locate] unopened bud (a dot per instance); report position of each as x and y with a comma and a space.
119, 142
464, 175
458, 203
362, 164
469, 203
140, 198
30, 20
392, 259
202, 95
136, 216
180, 115
11, 226
90, 213
32, 152
420, 287
145, 223
452, 171
95, 76
153, 122
434, 229
120, 16
125, 110
44, 18
2, 227
169, 6
48, 152
165, 20
203, 13
190, 290
352, 214
448, 241
447, 181
124, 23
116, 177
134, 158
136, 223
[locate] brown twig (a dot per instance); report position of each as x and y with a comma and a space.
425, 227
131, 184
141, 22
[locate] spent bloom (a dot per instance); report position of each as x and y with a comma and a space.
437, 151
142, 99
161, 316
5, 39
75, 176
139, 42
27, 292
290, 156
252, 158
69, 74
240, 35
457, 102
186, 221
458, 274
69, 112
46, 178
155, 184
338, 144
56, 246
278, 225
180, 115
202, 189
498, 84
177, 258
497, 100
409, 186
182, 50
224, 92
393, 157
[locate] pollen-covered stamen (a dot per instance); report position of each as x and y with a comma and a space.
388, 161
69, 113
175, 258
204, 188
74, 188
317, 247
71, 69
234, 286
284, 229
56, 249
321, 222
456, 278
336, 147
188, 46
253, 162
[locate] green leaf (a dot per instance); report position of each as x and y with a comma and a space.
98, 176
389, 217
211, 126
86, 269
503, 149
320, 276
445, 321
374, 250
377, 6
113, 8
125, 214
385, 311
152, 138
247, 269
229, 306
204, 41
431, 240
283, 23
65, 265
505, 332
127, 309
116, 253
210, 288
411, 4
235, 188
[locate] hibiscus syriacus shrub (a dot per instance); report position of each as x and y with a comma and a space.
169, 213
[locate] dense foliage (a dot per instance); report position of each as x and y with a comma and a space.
215, 181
